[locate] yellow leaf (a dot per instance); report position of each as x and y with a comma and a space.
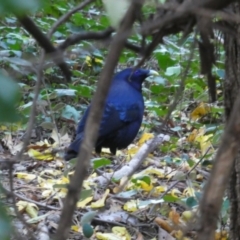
26, 176
30, 208
83, 203
3, 128
132, 150
145, 186
48, 185
107, 236
97, 60
150, 171
221, 235
187, 215
51, 172
158, 190
75, 228
199, 177
145, 137
205, 143
100, 203
201, 110
121, 232
189, 192
180, 236
192, 136
46, 155
196, 133
175, 192
131, 206
88, 61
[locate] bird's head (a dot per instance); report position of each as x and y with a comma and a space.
135, 77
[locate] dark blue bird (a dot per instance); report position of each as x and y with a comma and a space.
122, 116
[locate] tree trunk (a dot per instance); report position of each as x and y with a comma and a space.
231, 92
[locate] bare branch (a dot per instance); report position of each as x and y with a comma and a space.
45, 43
93, 120
34, 107
211, 201
76, 38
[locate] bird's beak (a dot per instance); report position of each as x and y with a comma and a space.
153, 73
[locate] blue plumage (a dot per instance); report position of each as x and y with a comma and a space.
122, 116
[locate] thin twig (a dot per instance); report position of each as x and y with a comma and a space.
34, 107
67, 16
19, 216
171, 108
178, 181
94, 119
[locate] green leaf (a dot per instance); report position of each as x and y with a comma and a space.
170, 198
5, 224
176, 70
164, 59
87, 230
47, 125
145, 179
60, 185
70, 112
221, 73
100, 162
85, 193
19, 6
9, 97
83, 91
88, 217
156, 89
191, 202
127, 194
65, 92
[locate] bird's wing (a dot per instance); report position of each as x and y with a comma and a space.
115, 117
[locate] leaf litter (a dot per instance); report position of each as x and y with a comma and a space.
163, 194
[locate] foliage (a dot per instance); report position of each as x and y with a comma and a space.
196, 128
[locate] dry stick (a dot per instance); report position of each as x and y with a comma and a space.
90, 35
28, 135
93, 121
19, 216
12, 194
178, 95
34, 107
68, 15
130, 168
212, 198
32, 201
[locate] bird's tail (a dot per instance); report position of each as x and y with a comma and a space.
72, 150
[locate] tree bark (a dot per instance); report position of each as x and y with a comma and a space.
231, 92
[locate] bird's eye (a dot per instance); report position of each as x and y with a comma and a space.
136, 72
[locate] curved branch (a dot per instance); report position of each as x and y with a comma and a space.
76, 38
93, 121
45, 43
